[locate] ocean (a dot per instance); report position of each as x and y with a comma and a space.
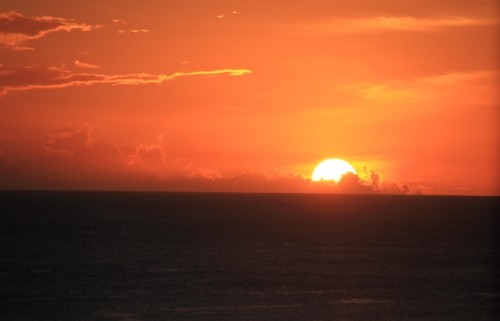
134, 256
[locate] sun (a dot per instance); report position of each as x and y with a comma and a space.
331, 170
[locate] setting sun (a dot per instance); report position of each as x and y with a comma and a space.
332, 170
249, 96
249, 159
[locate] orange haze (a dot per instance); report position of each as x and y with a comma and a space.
250, 95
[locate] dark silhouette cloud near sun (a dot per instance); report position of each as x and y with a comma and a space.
72, 159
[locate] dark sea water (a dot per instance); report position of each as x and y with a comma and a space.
173, 256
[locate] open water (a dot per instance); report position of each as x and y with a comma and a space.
185, 256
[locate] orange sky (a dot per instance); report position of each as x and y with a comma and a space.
250, 95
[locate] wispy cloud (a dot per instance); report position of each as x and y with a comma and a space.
139, 30
28, 78
395, 23
223, 15
475, 87
128, 31
17, 29
85, 65
119, 21
133, 31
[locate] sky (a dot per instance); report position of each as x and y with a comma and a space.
249, 96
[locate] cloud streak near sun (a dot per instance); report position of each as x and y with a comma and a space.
29, 78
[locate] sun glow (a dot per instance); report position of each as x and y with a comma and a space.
332, 170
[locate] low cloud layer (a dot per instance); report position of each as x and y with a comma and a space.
72, 159
16, 29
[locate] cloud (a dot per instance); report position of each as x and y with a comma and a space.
72, 158
475, 87
375, 179
151, 156
76, 148
379, 185
349, 183
146, 156
133, 31
69, 141
395, 23
85, 65
459, 78
128, 31
29, 78
223, 15
17, 29
139, 30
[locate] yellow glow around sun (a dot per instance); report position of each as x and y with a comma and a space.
332, 170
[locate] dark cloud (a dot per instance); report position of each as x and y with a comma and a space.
394, 188
375, 179
18, 77
17, 29
349, 184
70, 141
71, 158
150, 156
